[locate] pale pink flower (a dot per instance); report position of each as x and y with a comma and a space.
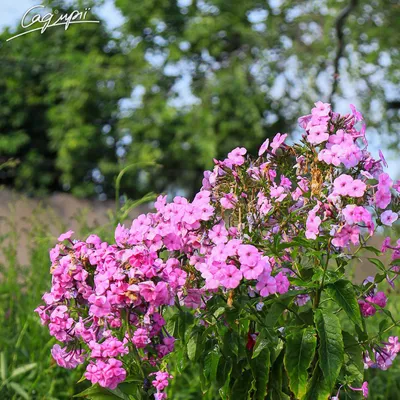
388, 217
277, 141
263, 148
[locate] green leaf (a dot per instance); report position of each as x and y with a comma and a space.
277, 379
378, 263
211, 365
3, 366
331, 348
223, 377
317, 388
260, 367
373, 250
242, 386
379, 278
300, 351
271, 318
104, 396
261, 344
354, 364
219, 311
343, 293
96, 392
22, 369
192, 346
19, 390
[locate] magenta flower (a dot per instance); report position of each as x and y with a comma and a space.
357, 115
363, 389
231, 277
161, 380
67, 359
107, 374
321, 109
266, 285
248, 254
65, 236
282, 283
317, 134
229, 201
356, 188
236, 155
380, 299
100, 306
252, 271
277, 141
140, 338
342, 184
382, 198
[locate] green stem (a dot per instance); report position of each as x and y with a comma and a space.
121, 174
134, 349
317, 297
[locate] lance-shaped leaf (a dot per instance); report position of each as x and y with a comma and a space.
331, 348
343, 293
300, 351
317, 388
354, 363
260, 367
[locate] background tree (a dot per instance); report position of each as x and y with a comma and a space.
205, 76
59, 108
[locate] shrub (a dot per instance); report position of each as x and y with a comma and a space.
261, 255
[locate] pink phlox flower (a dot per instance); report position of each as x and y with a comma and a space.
357, 115
277, 142
229, 201
248, 254
140, 338
266, 285
160, 381
356, 188
342, 184
383, 198
67, 359
317, 134
278, 193
312, 225
388, 217
282, 283
363, 389
321, 109
107, 373
236, 155
382, 158
218, 234
263, 148
65, 236
230, 276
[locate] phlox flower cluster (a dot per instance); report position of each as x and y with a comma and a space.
383, 355
107, 301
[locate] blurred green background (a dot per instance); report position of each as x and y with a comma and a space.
172, 82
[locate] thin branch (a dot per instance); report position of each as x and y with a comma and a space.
339, 25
